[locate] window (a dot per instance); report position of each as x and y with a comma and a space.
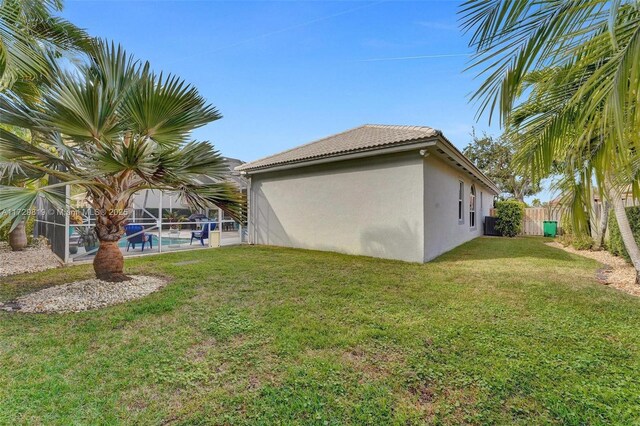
461, 203
472, 207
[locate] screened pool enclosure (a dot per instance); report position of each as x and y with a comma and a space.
158, 222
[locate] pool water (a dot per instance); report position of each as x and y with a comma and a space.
166, 241
169, 242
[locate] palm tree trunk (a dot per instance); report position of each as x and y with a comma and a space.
625, 231
598, 239
108, 263
18, 237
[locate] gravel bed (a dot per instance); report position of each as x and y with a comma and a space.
32, 259
616, 272
85, 295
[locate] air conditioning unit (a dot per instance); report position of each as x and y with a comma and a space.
490, 226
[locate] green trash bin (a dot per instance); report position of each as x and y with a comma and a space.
550, 228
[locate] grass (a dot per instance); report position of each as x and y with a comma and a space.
496, 331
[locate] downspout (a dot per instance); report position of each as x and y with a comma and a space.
424, 154
250, 239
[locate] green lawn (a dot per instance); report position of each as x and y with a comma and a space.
497, 331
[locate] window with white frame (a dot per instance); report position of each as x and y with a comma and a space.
472, 207
461, 203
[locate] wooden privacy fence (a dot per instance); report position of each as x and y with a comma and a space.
534, 217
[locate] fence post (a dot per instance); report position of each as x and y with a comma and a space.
159, 223
67, 224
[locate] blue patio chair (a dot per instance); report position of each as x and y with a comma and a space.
141, 238
203, 233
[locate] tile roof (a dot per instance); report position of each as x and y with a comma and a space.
363, 138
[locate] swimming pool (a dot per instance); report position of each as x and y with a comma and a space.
166, 241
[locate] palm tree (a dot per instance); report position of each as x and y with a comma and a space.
12, 175
579, 156
113, 128
31, 38
29, 35
581, 111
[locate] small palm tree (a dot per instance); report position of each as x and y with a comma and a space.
174, 218
113, 128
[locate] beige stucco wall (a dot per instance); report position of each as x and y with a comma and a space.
443, 231
371, 206
399, 206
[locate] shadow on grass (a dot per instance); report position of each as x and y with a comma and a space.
488, 248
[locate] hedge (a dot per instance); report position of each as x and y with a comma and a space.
509, 215
615, 245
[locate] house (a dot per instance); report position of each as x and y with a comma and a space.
396, 192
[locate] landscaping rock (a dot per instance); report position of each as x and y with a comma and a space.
38, 257
85, 295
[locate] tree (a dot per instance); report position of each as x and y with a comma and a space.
15, 176
579, 158
584, 61
31, 38
114, 128
494, 156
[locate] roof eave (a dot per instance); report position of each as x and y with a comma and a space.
437, 139
455, 152
371, 152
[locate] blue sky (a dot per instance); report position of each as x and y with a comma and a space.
283, 73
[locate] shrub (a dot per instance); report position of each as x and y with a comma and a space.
581, 242
509, 216
569, 238
615, 245
566, 231
566, 227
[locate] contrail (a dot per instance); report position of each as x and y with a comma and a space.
282, 30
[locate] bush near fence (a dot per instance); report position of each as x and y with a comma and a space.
615, 245
569, 238
509, 216
534, 217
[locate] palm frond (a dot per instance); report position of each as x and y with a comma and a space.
512, 38
17, 202
223, 195
167, 109
28, 32
113, 128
